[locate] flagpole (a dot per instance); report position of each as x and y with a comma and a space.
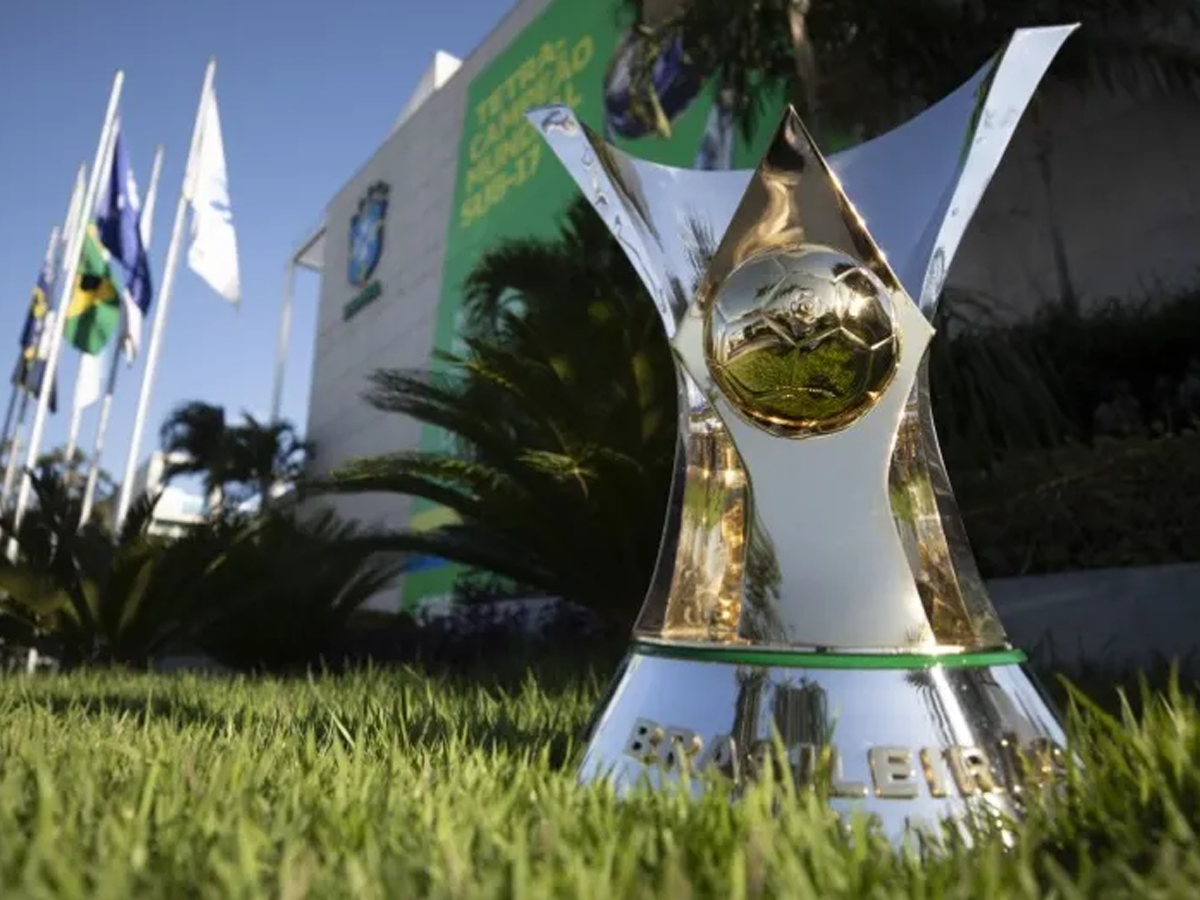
83, 370
73, 431
13, 396
49, 262
146, 225
285, 326
65, 295
10, 467
164, 304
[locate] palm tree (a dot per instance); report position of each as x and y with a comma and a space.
94, 599
263, 455
71, 471
72, 474
269, 591
562, 411
198, 440
295, 584
195, 439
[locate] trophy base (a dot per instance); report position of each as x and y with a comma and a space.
909, 739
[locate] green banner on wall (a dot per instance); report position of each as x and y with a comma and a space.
509, 184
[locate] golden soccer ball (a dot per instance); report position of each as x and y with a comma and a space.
802, 342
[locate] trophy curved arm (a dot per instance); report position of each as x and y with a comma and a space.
958, 143
666, 219
951, 152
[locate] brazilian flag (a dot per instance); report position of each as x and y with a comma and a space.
95, 310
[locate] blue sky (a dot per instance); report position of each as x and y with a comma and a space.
307, 90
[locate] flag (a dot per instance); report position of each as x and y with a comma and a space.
35, 338
95, 310
118, 226
74, 214
89, 383
212, 252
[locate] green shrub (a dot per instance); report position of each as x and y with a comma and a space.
1128, 502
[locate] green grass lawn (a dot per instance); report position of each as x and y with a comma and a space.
401, 785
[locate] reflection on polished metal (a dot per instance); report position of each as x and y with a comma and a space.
937, 737
815, 577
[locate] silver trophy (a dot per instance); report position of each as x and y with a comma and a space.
816, 604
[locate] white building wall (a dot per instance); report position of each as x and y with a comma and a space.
420, 163
177, 509
1125, 182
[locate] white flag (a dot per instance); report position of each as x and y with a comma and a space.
88, 386
212, 253
71, 225
48, 330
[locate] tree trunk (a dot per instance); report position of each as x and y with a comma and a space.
805, 96
654, 13
216, 501
1068, 295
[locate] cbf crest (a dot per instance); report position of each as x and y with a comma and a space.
366, 234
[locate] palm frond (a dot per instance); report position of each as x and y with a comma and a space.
297, 581
140, 515
561, 410
400, 473
35, 593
